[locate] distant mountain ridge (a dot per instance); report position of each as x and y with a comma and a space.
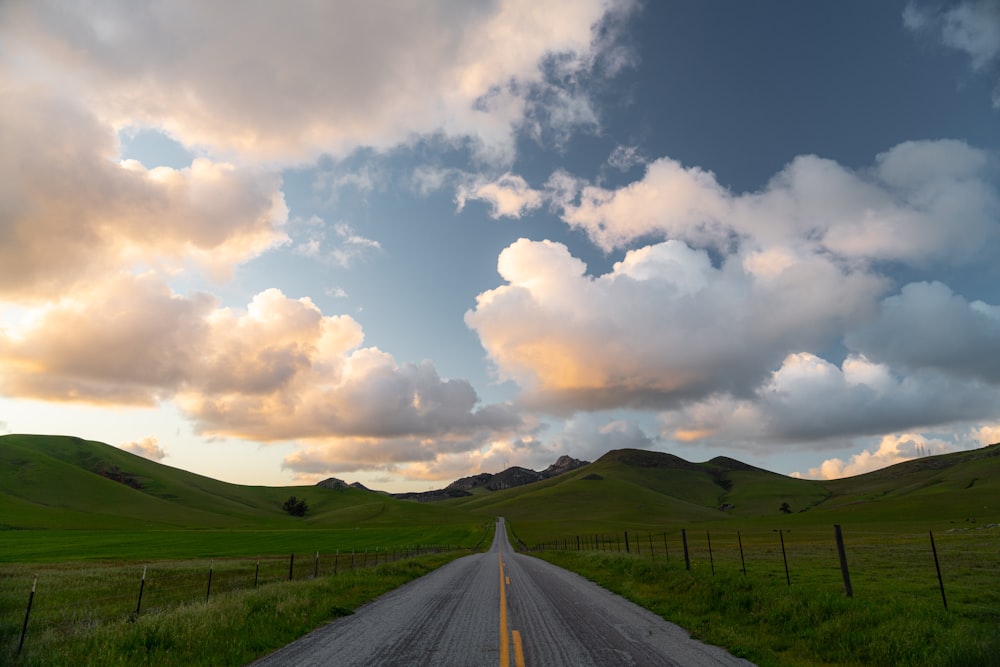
505, 479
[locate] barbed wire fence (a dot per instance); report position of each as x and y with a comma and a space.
73, 597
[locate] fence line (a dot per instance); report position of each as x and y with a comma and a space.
159, 585
783, 555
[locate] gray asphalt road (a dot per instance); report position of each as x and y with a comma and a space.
460, 615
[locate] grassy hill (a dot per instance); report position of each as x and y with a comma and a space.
58, 491
650, 490
60, 483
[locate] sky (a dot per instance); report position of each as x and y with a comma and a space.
405, 242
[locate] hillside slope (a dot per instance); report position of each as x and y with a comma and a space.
644, 489
67, 482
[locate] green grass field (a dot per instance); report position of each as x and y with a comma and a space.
86, 518
232, 627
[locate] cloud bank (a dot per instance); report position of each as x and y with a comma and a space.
724, 326
286, 83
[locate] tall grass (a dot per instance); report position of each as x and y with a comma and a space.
895, 618
230, 628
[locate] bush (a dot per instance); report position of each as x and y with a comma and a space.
295, 507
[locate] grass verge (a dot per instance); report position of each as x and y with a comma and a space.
231, 629
779, 626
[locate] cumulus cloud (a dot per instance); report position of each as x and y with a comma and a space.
919, 202
148, 447
439, 460
664, 326
139, 349
69, 212
892, 449
277, 370
508, 196
586, 436
333, 76
589, 436
927, 326
811, 402
987, 434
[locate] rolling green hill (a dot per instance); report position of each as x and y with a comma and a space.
650, 490
59, 482
62, 483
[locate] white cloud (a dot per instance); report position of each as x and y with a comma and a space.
927, 326
987, 434
284, 83
664, 326
440, 459
278, 370
892, 449
508, 196
148, 447
920, 202
71, 213
809, 402
589, 436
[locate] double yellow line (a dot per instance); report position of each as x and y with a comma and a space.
515, 636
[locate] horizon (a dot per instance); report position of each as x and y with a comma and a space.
444, 484
402, 245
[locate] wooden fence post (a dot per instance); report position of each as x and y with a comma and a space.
711, 559
742, 560
142, 585
687, 558
24, 628
937, 566
844, 572
781, 537
211, 568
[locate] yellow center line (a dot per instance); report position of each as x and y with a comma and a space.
504, 644
505, 640
518, 650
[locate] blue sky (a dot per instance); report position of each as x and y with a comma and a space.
404, 242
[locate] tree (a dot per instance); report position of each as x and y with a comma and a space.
295, 507
785, 508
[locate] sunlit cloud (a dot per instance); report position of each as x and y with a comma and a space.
987, 434
73, 213
333, 77
277, 370
892, 449
508, 196
148, 448
648, 334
